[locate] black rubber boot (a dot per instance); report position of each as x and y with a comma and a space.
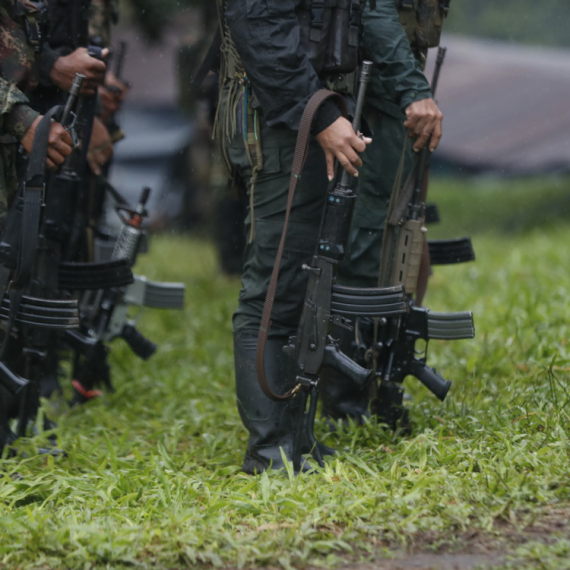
342, 398
270, 424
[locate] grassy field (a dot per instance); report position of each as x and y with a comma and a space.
152, 477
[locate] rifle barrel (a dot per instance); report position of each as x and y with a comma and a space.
363, 81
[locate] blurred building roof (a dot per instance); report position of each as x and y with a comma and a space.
506, 107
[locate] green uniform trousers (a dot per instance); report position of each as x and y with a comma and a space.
380, 166
267, 216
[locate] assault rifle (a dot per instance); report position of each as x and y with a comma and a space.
104, 312
396, 338
33, 306
326, 304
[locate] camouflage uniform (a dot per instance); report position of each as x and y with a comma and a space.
17, 73
104, 13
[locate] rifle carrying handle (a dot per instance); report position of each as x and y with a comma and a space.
301, 150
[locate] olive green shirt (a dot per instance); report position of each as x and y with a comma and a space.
397, 79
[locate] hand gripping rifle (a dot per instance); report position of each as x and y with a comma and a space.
104, 312
395, 338
33, 307
325, 304
113, 127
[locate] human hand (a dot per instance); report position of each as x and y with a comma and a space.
424, 120
60, 143
100, 147
66, 67
112, 95
340, 141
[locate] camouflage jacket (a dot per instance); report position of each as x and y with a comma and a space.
104, 13
17, 72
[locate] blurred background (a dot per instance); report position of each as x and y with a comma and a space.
504, 159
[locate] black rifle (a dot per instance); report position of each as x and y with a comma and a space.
104, 311
396, 338
34, 308
326, 304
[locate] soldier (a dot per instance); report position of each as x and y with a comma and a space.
263, 94
390, 162
19, 54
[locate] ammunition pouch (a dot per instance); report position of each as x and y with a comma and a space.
423, 21
330, 34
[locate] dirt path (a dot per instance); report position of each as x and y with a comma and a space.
469, 550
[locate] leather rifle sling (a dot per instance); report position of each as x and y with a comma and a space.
301, 150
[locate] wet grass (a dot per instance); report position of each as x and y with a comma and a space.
152, 476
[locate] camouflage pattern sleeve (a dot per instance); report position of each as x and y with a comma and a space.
17, 55
104, 13
15, 114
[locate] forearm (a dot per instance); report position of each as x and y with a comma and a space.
46, 61
16, 115
397, 75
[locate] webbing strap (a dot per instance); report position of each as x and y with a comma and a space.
33, 190
32, 194
301, 151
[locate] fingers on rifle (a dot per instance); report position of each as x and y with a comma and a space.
50, 165
96, 169
358, 144
436, 137
346, 164
56, 157
421, 140
330, 165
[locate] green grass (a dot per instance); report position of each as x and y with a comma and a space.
152, 477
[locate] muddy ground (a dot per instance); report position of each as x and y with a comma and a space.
470, 550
